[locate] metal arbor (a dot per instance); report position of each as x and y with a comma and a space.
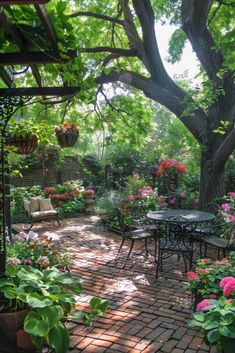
12, 98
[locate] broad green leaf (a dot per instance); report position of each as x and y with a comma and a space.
227, 331
199, 317
213, 336
210, 325
34, 325
11, 270
38, 301
51, 315
29, 273
58, 338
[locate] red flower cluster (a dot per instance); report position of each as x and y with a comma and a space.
66, 127
170, 165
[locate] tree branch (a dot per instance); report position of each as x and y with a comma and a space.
225, 150
96, 15
120, 51
196, 123
194, 17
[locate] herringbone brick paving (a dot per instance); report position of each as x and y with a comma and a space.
144, 314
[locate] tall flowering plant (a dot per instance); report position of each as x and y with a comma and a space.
228, 207
139, 193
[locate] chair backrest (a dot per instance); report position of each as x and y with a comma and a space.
177, 233
122, 221
137, 214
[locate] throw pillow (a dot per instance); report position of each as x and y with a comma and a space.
45, 205
34, 203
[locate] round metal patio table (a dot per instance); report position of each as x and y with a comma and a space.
189, 216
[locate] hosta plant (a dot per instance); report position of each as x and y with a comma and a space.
50, 296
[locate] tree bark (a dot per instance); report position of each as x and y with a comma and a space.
212, 181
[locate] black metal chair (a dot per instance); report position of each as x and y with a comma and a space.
133, 230
225, 242
177, 241
201, 232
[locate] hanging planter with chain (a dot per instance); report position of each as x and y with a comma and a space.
26, 144
67, 135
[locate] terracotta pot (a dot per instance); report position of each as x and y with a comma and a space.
25, 144
24, 341
67, 138
11, 322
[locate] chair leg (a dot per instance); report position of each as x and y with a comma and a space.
58, 221
200, 248
205, 252
31, 225
155, 248
158, 263
123, 239
185, 262
132, 244
146, 248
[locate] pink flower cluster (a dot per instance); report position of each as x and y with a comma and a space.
228, 207
142, 194
228, 286
88, 192
203, 304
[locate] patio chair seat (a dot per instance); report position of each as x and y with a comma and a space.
44, 214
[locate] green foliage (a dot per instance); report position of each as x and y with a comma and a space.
208, 275
72, 208
176, 45
50, 296
217, 323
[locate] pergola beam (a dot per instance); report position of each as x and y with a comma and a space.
39, 91
37, 57
43, 15
6, 78
22, 2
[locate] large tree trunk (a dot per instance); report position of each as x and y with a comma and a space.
212, 182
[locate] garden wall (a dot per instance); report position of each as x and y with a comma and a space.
37, 176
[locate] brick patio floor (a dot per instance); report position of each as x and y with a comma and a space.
144, 314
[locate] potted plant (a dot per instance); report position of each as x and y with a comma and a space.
25, 134
67, 134
49, 296
216, 318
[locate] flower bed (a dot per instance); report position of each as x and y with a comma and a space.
36, 251
214, 282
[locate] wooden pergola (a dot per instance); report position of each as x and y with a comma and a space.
12, 97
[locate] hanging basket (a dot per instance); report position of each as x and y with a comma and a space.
67, 138
26, 144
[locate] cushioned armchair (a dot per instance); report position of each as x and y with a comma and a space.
38, 209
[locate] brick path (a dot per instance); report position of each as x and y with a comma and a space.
144, 314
